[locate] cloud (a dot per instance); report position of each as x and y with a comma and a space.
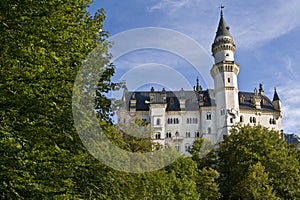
253, 23
171, 5
289, 93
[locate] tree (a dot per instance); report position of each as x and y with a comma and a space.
246, 146
43, 43
256, 185
207, 186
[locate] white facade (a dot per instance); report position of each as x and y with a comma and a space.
180, 117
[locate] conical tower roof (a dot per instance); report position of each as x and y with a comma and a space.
223, 29
276, 97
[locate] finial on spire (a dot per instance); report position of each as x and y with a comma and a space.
222, 7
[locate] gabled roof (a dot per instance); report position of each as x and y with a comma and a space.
247, 104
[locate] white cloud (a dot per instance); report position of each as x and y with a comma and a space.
170, 5
290, 97
253, 22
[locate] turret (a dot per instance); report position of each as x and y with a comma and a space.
276, 101
223, 48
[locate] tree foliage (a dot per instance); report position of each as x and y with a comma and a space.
43, 44
245, 147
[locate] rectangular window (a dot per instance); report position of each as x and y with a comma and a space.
187, 134
222, 111
209, 130
177, 147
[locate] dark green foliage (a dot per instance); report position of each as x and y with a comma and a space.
245, 147
42, 45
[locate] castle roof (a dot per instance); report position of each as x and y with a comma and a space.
191, 103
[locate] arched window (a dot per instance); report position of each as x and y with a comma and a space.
251, 120
231, 120
241, 118
197, 135
254, 120
177, 121
168, 135
157, 136
177, 134
187, 147
158, 121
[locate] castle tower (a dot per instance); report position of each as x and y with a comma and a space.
225, 72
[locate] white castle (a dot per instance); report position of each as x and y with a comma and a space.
178, 118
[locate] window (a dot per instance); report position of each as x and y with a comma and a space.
187, 148
228, 80
157, 136
209, 130
272, 121
197, 135
251, 120
231, 120
177, 134
158, 121
168, 135
171, 100
173, 121
187, 134
208, 116
222, 111
177, 147
254, 120
242, 118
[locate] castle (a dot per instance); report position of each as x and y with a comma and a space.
178, 118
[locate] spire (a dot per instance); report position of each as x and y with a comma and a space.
223, 29
276, 97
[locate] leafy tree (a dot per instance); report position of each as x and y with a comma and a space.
207, 186
43, 43
256, 185
246, 146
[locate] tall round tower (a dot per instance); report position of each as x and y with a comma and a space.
224, 72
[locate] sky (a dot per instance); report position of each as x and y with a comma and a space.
266, 34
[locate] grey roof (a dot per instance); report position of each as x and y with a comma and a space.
173, 100
276, 97
191, 104
223, 29
267, 105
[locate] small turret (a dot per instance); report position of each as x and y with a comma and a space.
276, 100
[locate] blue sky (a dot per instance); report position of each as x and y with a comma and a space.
266, 34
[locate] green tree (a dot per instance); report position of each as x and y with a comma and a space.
207, 186
246, 146
256, 185
43, 43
